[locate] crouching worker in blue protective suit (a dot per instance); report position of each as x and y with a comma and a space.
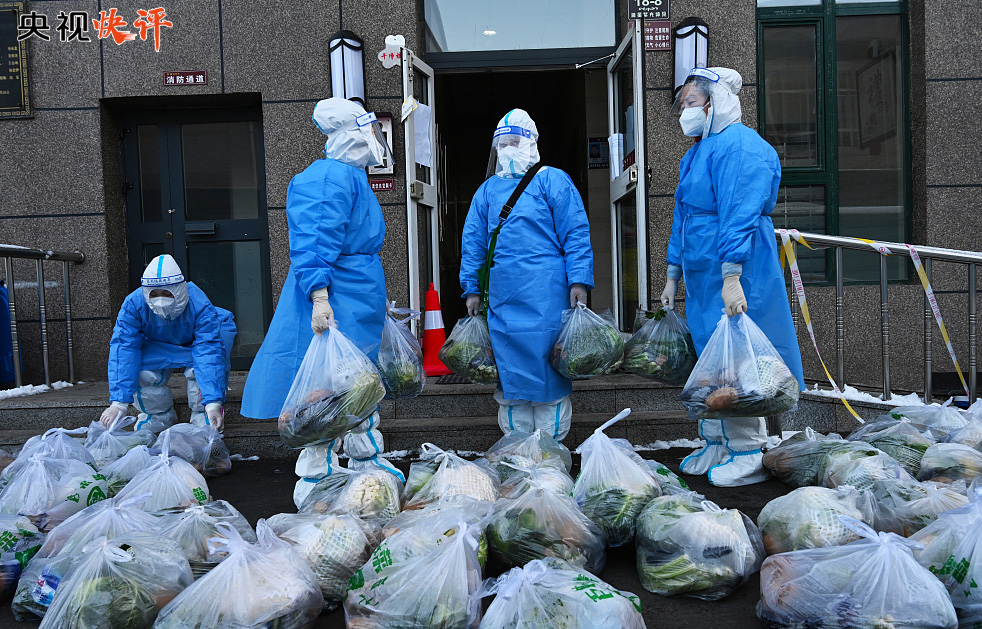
336, 233
169, 324
723, 244
542, 265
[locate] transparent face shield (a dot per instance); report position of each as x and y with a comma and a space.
512, 152
695, 91
379, 148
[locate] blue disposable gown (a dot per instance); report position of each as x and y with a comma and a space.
201, 337
543, 248
336, 233
727, 190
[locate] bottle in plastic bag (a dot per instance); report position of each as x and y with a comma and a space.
662, 349
400, 358
336, 388
468, 353
586, 346
739, 374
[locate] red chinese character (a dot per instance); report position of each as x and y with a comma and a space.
153, 19
111, 24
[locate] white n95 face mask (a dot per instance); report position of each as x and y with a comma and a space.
163, 307
692, 121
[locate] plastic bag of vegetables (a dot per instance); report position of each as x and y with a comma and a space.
898, 438
468, 353
452, 508
547, 475
109, 444
947, 462
863, 472
739, 374
336, 388
201, 446
120, 583
171, 482
808, 518
802, 460
400, 359
441, 473
59, 443
418, 580
969, 435
20, 540
669, 481
586, 346
872, 582
662, 349
41, 577
642, 317
614, 484
334, 546
519, 449
540, 523
371, 494
940, 419
123, 469
194, 527
49, 490
914, 504
550, 593
688, 545
265, 584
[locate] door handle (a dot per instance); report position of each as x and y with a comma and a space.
200, 229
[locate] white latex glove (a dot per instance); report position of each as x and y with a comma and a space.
668, 295
216, 415
112, 413
577, 295
733, 298
323, 313
473, 305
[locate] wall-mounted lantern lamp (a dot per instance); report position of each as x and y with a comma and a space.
347, 66
691, 38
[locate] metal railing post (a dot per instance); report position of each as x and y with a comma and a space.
885, 327
928, 341
68, 320
840, 326
972, 337
44, 325
12, 308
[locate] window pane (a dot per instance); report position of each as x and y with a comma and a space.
473, 25
787, 3
803, 208
872, 146
867, 1
221, 178
149, 150
791, 89
627, 259
624, 106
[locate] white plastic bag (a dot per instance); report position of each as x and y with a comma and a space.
947, 462
49, 490
194, 527
551, 593
547, 475
109, 444
916, 505
265, 584
863, 472
940, 419
336, 388
371, 494
122, 470
468, 353
171, 482
451, 508
586, 346
201, 446
524, 450
739, 374
661, 349
56, 443
441, 473
802, 460
808, 518
898, 438
613, 485
20, 540
400, 359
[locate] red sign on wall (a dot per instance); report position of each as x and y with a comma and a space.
381, 185
184, 77
657, 35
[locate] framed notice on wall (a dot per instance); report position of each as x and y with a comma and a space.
876, 88
15, 86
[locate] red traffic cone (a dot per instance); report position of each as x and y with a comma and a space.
434, 335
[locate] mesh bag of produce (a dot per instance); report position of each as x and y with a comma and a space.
540, 523
947, 462
872, 582
42, 575
441, 473
192, 528
400, 359
201, 446
940, 419
915, 504
49, 490
334, 546
170, 481
586, 346
336, 388
802, 460
265, 584
122, 470
519, 449
739, 374
688, 545
120, 583
109, 444
371, 494
613, 485
468, 353
550, 593
808, 518
863, 472
662, 349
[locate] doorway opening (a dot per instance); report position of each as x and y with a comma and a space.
569, 107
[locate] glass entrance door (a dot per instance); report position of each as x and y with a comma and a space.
195, 188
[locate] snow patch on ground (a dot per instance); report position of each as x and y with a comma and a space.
666, 445
31, 389
854, 394
239, 457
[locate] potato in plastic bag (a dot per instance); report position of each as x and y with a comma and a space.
586, 346
109, 444
49, 490
370, 494
740, 374
872, 582
662, 349
336, 388
266, 584
122, 470
441, 473
193, 527
201, 446
171, 482
524, 450
400, 359
468, 353
550, 593
119, 583
808, 518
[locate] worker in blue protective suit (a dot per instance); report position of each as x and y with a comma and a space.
169, 324
723, 244
543, 264
335, 278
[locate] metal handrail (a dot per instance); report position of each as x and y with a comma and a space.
927, 254
9, 253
